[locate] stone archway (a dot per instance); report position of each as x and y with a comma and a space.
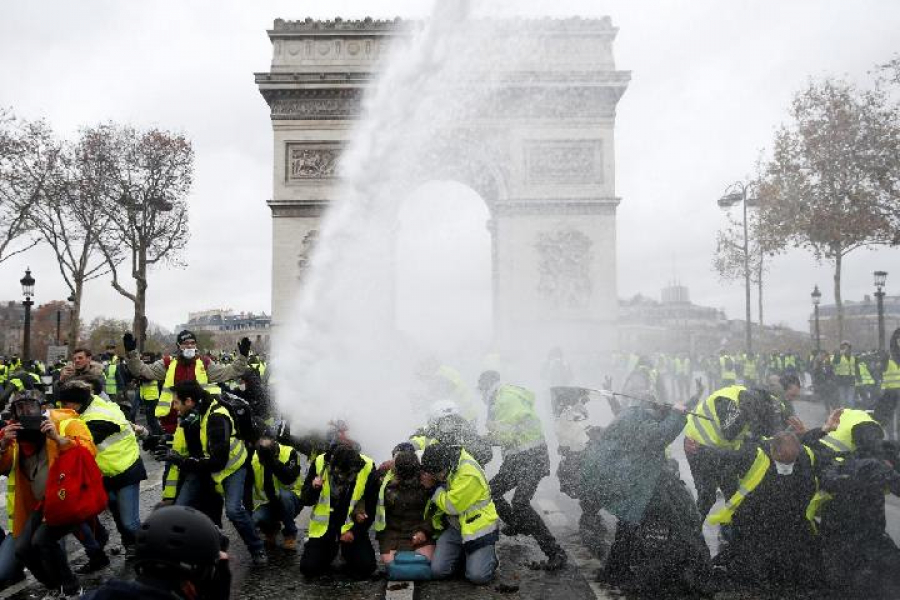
549, 183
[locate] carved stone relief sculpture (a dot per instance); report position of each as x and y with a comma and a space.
564, 268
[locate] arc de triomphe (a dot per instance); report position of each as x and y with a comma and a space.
552, 199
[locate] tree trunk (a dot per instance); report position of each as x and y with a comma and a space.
75, 316
837, 298
140, 302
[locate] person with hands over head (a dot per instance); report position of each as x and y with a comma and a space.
187, 365
30, 444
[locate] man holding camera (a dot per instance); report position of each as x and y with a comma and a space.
29, 446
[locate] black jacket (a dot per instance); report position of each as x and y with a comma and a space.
218, 433
339, 509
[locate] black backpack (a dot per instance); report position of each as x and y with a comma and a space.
246, 427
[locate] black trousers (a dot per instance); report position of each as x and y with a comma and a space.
319, 553
709, 475
523, 472
885, 407
38, 548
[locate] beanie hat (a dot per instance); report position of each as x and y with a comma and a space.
185, 336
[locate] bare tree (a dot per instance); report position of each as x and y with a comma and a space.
27, 158
832, 183
70, 216
728, 260
146, 203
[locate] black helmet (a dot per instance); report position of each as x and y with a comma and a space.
178, 542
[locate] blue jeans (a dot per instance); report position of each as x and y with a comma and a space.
267, 517
10, 567
125, 506
237, 513
847, 395
480, 565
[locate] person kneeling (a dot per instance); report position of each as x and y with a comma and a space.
400, 526
276, 491
342, 487
461, 504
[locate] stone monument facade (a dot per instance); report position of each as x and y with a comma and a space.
549, 184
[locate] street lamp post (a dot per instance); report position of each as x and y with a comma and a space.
880, 279
816, 298
27, 291
734, 194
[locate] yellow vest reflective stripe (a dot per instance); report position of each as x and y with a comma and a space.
725, 372
891, 378
841, 439
865, 376
846, 367
478, 518
112, 387
165, 399
172, 474
237, 452
321, 513
118, 452
380, 515
749, 482
708, 432
149, 391
259, 491
790, 361
11, 491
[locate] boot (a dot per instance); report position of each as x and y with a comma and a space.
271, 540
95, 563
290, 543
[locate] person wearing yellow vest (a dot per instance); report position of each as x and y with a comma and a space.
513, 424
462, 510
276, 491
206, 447
342, 488
727, 369
30, 444
866, 386
844, 364
859, 557
772, 515
186, 366
723, 421
886, 405
148, 397
118, 457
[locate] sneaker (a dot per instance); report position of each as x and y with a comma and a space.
94, 564
75, 594
259, 558
290, 543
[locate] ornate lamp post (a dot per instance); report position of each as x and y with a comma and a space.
738, 193
816, 298
880, 279
27, 291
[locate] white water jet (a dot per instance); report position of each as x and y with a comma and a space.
342, 355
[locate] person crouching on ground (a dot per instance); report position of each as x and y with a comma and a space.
400, 524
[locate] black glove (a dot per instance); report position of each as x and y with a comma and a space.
168, 455
129, 342
244, 346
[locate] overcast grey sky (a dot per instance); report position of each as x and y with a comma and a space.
711, 81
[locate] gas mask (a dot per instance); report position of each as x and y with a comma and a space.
189, 353
784, 468
28, 413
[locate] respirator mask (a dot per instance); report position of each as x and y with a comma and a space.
189, 353
784, 468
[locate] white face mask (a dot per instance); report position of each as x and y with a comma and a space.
784, 468
189, 353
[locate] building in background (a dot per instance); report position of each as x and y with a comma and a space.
12, 327
674, 324
860, 323
227, 328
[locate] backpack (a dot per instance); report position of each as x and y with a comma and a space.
245, 424
75, 491
409, 566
